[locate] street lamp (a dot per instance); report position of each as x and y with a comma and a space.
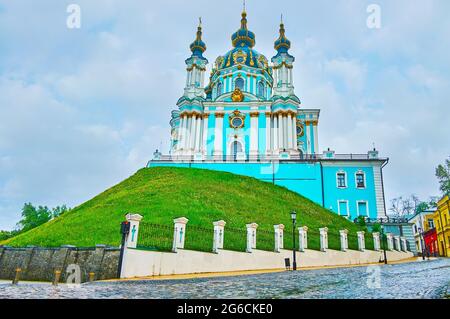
421, 242
294, 220
384, 245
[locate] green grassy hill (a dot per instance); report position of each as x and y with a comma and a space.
161, 194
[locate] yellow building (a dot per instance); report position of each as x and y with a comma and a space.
442, 222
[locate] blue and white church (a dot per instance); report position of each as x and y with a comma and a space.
246, 119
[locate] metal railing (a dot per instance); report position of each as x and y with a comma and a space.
155, 237
199, 238
264, 158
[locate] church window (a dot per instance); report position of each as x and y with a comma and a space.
341, 180
219, 89
239, 84
360, 180
261, 89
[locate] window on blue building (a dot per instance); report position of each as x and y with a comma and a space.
341, 180
239, 83
261, 89
362, 208
343, 208
360, 180
219, 89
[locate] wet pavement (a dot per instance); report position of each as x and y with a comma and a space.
425, 279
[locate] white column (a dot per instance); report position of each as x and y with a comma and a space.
376, 241
205, 133
361, 241
275, 132
132, 238
251, 236
289, 129
294, 131
254, 134
193, 131
280, 131
323, 238
268, 133
316, 138
308, 137
219, 228
279, 237
181, 132
179, 233
285, 130
303, 238
188, 131
344, 239
218, 134
198, 130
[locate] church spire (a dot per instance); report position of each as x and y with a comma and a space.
282, 44
243, 37
198, 46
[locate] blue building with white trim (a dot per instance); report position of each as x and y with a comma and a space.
247, 120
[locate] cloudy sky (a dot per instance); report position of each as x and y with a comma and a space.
82, 109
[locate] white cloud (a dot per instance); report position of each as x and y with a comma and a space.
81, 110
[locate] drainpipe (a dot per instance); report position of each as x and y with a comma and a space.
382, 184
323, 190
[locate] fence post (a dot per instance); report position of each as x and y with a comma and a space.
134, 220
219, 228
403, 246
251, 236
376, 241
390, 241
361, 241
397, 243
323, 238
303, 238
279, 237
179, 233
344, 239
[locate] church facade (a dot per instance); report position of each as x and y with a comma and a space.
247, 119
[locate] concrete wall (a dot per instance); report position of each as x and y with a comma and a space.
139, 263
40, 263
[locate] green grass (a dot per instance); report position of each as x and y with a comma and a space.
162, 194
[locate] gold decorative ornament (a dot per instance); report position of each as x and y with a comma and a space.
236, 119
254, 114
219, 115
237, 95
300, 129
239, 57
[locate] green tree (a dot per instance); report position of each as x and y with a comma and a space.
443, 175
33, 217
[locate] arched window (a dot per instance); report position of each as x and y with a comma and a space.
219, 89
261, 89
239, 83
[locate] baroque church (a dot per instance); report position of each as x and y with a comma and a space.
248, 109
246, 119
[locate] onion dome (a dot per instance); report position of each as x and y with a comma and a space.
282, 44
198, 46
243, 37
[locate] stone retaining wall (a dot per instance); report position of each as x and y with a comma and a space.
40, 264
141, 263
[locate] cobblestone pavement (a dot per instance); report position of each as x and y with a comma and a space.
428, 279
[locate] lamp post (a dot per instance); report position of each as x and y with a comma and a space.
294, 220
421, 242
384, 245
